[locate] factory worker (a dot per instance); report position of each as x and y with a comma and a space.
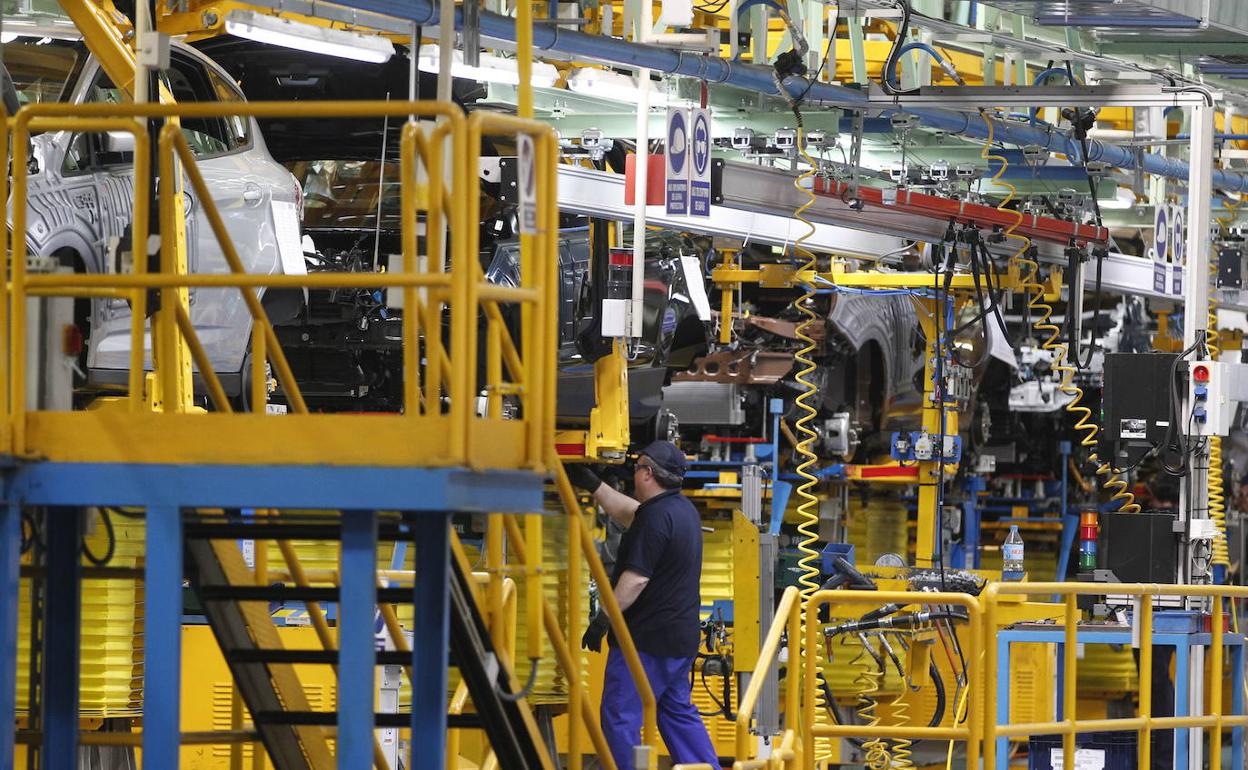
656, 581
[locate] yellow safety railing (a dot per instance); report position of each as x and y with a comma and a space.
1144, 594
788, 618
976, 679
443, 281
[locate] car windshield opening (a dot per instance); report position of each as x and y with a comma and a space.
342, 194
40, 68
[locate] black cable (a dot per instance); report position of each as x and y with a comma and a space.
894, 53
938, 711
112, 542
29, 541
1167, 443
512, 697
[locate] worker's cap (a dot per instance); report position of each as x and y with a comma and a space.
667, 456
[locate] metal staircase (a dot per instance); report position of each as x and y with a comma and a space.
237, 606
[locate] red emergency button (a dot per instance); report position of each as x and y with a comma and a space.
1200, 373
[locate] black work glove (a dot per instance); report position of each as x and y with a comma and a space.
582, 477
592, 638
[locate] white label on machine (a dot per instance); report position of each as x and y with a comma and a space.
1085, 759
526, 180
289, 238
692, 268
1134, 428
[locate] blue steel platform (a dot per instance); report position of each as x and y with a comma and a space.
164, 490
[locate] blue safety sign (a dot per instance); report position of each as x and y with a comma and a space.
676, 184
700, 168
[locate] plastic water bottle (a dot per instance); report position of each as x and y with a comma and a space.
1012, 555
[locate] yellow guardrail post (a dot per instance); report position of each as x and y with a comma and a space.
1145, 751
786, 614
988, 734
411, 311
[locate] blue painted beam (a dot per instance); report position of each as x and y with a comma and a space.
162, 636
277, 486
357, 656
62, 586
10, 558
430, 646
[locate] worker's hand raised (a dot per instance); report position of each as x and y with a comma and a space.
582, 477
592, 638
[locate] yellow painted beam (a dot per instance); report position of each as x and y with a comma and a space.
783, 275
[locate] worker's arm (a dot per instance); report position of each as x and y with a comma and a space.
629, 587
619, 506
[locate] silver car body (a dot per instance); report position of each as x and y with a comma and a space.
80, 214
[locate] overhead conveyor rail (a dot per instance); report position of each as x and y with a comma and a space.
969, 123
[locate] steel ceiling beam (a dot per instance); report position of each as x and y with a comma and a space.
713, 69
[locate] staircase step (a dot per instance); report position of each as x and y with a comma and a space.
330, 719
280, 593
311, 657
279, 530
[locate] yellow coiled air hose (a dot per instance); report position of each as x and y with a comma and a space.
1032, 285
1217, 500
808, 508
900, 708
870, 672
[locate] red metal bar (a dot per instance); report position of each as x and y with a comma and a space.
945, 209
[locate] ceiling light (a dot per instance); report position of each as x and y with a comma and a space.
608, 84
489, 69
308, 37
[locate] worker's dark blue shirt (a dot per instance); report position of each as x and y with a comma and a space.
664, 544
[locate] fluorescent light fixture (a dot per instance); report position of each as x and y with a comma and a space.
491, 69
308, 37
615, 86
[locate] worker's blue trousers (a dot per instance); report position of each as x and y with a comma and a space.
679, 724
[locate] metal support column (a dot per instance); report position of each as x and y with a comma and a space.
10, 556
162, 641
63, 532
1196, 307
1070, 522
357, 655
430, 646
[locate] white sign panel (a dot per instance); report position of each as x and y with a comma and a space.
676, 183
700, 162
526, 180
1178, 246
